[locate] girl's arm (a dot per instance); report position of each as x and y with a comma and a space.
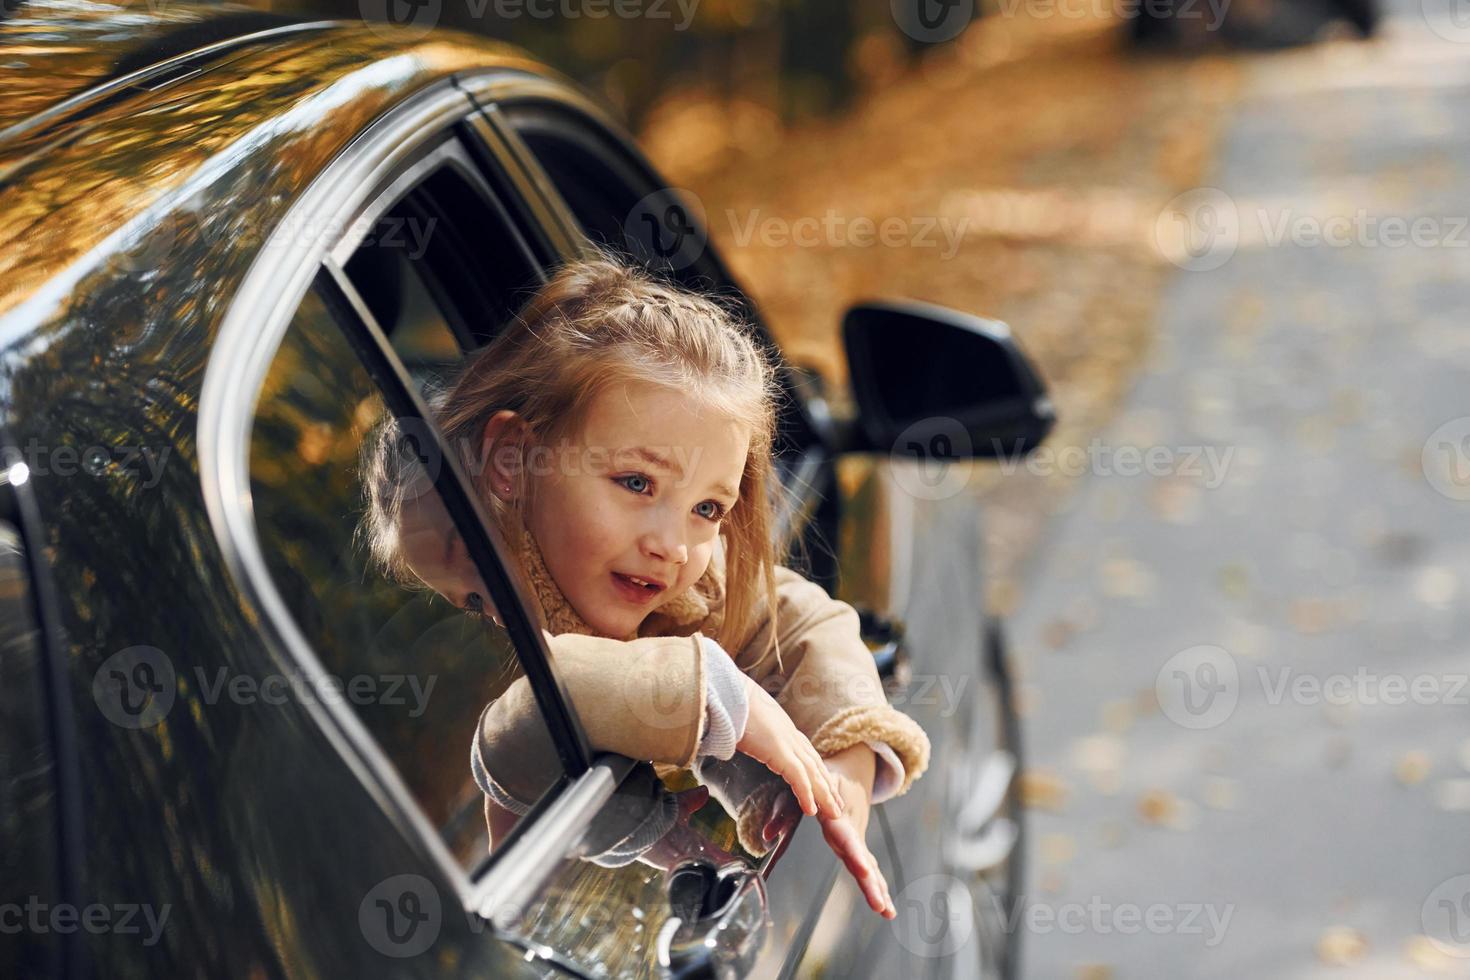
827, 681
645, 699
640, 698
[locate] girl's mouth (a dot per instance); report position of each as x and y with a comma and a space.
632, 591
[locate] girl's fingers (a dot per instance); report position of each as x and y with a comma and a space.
861, 864
799, 779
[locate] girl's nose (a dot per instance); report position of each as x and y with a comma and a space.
666, 543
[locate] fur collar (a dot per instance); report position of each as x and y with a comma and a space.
699, 609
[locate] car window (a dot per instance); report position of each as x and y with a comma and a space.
361, 548
443, 267
28, 800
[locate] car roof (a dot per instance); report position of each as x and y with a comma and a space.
60, 51
116, 106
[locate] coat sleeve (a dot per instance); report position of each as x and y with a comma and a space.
640, 698
826, 679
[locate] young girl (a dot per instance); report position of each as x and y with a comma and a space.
620, 432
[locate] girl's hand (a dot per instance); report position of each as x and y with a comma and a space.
853, 770
772, 739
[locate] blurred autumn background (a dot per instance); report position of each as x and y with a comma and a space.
1042, 148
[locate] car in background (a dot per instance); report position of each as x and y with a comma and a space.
235, 242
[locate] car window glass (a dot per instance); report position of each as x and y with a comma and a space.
378, 580
28, 803
442, 270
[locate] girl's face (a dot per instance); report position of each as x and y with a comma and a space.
641, 497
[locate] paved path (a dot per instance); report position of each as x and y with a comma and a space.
1319, 816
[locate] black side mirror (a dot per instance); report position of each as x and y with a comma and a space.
932, 382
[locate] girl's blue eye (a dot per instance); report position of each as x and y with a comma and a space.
638, 483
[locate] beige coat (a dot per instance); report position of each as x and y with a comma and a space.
643, 697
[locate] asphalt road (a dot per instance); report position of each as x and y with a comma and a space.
1248, 709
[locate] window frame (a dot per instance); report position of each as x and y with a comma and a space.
249, 337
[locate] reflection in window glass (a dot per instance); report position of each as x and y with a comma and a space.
365, 556
399, 299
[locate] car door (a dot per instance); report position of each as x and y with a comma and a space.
38, 778
904, 555
342, 422
617, 201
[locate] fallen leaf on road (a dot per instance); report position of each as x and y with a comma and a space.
1341, 946
1452, 795
1423, 953
1412, 767
1042, 790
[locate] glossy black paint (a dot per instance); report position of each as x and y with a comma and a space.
134, 212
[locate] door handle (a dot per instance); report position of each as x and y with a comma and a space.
717, 923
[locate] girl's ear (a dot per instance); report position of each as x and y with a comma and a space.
503, 443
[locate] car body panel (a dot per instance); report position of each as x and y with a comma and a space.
107, 327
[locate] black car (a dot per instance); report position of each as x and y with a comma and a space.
234, 243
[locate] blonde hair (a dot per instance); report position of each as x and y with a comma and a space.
599, 323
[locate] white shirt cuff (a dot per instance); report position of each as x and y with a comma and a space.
726, 704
